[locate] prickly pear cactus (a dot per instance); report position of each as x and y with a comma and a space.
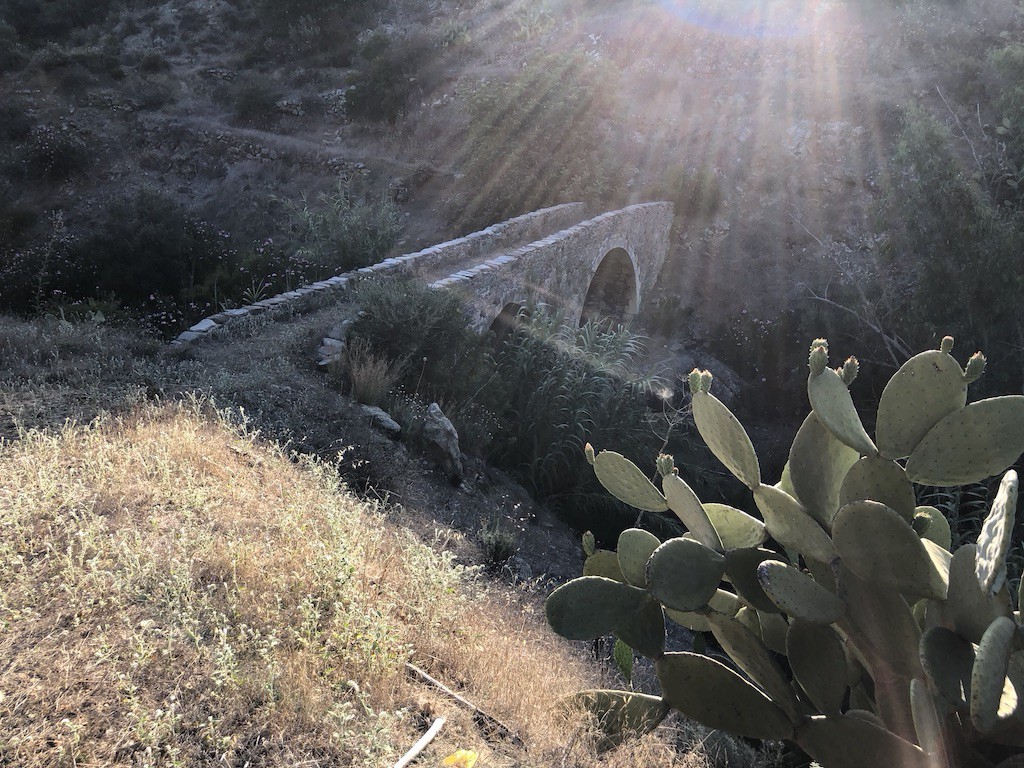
899, 652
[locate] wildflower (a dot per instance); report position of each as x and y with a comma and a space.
463, 758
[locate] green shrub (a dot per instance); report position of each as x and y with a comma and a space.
12, 52
254, 102
148, 245
388, 73
954, 257
537, 140
16, 121
498, 540
347, 229
56, 151
695, 194
39, 21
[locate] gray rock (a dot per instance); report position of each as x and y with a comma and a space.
381, 420
441, 443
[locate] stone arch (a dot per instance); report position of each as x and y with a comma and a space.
614, 292
506, 321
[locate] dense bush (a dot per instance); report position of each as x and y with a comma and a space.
47, 20
696, 194
254, 102
954, 261
56, 151
537, 140
147, 245
347, 228
388, 73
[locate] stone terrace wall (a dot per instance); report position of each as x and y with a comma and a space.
495, 238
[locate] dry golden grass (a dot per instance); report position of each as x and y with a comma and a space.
371, 376
174, 592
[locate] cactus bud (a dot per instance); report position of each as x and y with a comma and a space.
666, 464
975, 367
694, 380
705, 381
849, 370
819, 356
946, 345
588, 449
589, 543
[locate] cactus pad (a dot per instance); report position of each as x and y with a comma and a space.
797, 594
876, 479
927, 722
591, 606
684, 574
634, 550
711, 693
994, 539
735, 528
969, 608
948, 660
929, 523
818, 462
725, 603
605, 563
741, 568
818, 660
687, 507
971, 444
746, 649
788, 522
620, 714
854, 741
831, 401
988, 677
624, 480
879, 546
726, 438
926, 389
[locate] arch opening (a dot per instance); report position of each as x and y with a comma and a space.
506, 322
612, 295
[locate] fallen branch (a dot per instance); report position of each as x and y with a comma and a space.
420, 745
484, 720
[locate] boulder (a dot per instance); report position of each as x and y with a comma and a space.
380, 419
441, 443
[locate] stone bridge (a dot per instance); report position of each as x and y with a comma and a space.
589, 268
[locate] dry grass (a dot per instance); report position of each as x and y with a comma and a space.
371, 376
174, 592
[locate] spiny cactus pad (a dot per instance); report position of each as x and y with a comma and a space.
711, 693
605, 563
684, 574
994, 540
624, 480
878, 545
726, 438
687, 507
831, 401
816, 656
929, 523
926, 389
971, 444
751, 655
741, 568
818, 462
788, 522
948, 660
797, 594
969, 608
621, 714
635, 548
988, 677
876, 479
736, 529
588, 607
725, 603
852, 741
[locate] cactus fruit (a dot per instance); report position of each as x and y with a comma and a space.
900, 650
975, 367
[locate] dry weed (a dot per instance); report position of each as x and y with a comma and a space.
371, 376
176, 593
